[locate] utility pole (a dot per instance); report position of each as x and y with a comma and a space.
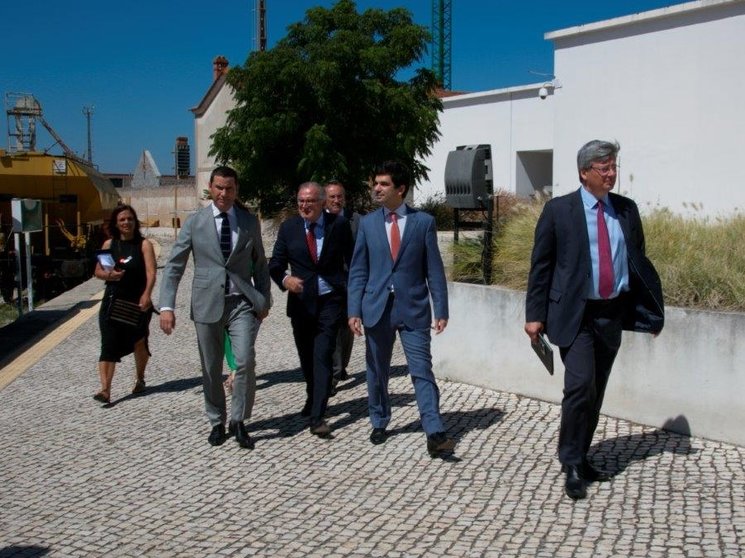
88, 112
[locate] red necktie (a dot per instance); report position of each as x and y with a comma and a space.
395, 236
605, 261
310, 239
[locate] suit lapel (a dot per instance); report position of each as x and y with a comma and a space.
577, 216
382, 234
209, 221
300, 234
622, 214
412, 222
328, 226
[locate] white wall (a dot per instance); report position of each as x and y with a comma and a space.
509, 120
214, 117
668, 85
694, 369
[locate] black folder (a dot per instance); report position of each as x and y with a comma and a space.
544, 351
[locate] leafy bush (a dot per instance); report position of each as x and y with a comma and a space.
443, 213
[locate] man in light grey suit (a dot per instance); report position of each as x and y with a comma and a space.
396, 267
230, 293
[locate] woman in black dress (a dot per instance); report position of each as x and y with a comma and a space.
132, 279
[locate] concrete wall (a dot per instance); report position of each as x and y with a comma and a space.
694, 370
162, 204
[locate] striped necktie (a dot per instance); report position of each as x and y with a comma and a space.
225, 243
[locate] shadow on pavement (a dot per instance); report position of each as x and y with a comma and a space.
616, 454
166, 387
269, 379
16, 550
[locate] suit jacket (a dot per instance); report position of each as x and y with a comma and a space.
417, 273
561, 273
354, 220
290, 249
246, 266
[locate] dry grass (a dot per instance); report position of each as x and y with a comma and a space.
701, 261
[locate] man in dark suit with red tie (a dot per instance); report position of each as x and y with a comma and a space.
589, 280
317, 247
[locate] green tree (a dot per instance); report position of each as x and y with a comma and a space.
326, 102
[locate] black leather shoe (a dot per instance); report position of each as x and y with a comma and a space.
238, 429
217, 436
344, 375
574, 485
321, 429
334, 390
378, 436
591, 474
306, 409
440, 444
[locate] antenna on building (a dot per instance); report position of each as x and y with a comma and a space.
88, 112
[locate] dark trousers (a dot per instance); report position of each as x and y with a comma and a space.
315, 339
588, 362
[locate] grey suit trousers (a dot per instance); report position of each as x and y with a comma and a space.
239, 321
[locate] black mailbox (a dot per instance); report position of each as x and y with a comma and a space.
468, 177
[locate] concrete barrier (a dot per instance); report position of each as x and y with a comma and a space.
690, 379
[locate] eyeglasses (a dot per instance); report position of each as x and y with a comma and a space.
605, 170
307, 202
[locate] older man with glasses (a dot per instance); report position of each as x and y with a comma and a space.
589, 279
310, 260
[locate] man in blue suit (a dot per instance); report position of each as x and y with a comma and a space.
589, 279
396, 267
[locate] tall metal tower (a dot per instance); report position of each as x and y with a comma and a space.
260, 9
442, 41
88, 112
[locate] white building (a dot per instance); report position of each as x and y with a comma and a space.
210, 114
666, 84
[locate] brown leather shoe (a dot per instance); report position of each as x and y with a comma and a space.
322, 429
440, 444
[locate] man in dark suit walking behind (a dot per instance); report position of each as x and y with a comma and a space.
336, 201
589, 280
396, 268
317, 247
230, 293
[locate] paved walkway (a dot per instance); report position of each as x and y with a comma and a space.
137, 477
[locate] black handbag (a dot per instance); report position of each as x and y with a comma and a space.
127, 313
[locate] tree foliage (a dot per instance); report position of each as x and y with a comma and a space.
326, 102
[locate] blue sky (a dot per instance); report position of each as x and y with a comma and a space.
143, 65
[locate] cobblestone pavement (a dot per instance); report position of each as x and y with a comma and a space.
137, 477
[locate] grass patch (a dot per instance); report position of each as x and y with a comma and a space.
701, 261
8, 314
